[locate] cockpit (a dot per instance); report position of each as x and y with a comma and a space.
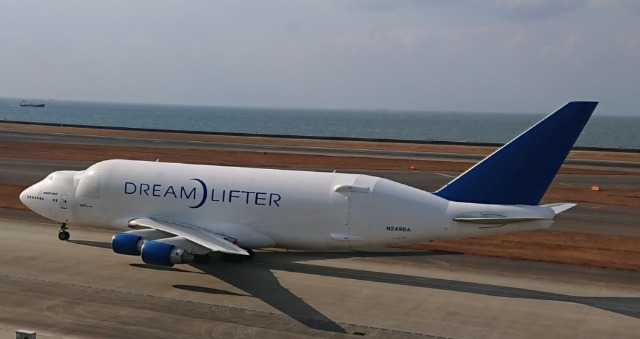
52, 196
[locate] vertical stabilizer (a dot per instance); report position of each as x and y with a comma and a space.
520, 172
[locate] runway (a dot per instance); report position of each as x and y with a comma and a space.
81, 288
22, 136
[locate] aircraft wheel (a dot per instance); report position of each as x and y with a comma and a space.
251, 253
63, 235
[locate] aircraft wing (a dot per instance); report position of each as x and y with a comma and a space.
198, 235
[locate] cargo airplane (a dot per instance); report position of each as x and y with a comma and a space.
171, 213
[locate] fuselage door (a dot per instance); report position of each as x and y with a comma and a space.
350, 198
63, 201
358, 216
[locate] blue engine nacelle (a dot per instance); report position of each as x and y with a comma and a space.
126, 243
164, 254
130, 243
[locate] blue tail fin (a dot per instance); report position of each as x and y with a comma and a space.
520, 172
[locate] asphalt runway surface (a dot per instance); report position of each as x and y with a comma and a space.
80, 288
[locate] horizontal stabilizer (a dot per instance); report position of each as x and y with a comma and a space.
496, 220
208, 239
561, 207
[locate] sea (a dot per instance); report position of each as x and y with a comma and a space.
602, 131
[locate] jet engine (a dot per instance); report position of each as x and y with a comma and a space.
130, 243
159, 248
175, 250
165, 254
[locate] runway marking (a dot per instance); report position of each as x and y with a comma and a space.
445, 175
439, 262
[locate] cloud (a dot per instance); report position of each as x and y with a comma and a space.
534, 10
628, 6
393, 5
408, 54
564, 50
381, 41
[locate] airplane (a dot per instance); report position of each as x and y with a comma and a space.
173, 213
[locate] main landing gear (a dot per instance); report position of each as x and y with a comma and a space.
63, 234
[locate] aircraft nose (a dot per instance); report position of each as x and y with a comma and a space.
24, 195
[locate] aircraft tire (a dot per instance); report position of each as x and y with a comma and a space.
64, 235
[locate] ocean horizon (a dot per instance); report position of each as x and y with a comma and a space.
421, 126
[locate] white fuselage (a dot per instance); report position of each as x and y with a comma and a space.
264, 207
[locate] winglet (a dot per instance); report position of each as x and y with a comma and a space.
520, 172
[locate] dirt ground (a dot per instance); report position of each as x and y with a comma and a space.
550, 246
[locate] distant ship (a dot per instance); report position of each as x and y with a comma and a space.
24, 104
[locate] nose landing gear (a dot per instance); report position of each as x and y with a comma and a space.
63, 234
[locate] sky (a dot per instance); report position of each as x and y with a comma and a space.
427, 55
